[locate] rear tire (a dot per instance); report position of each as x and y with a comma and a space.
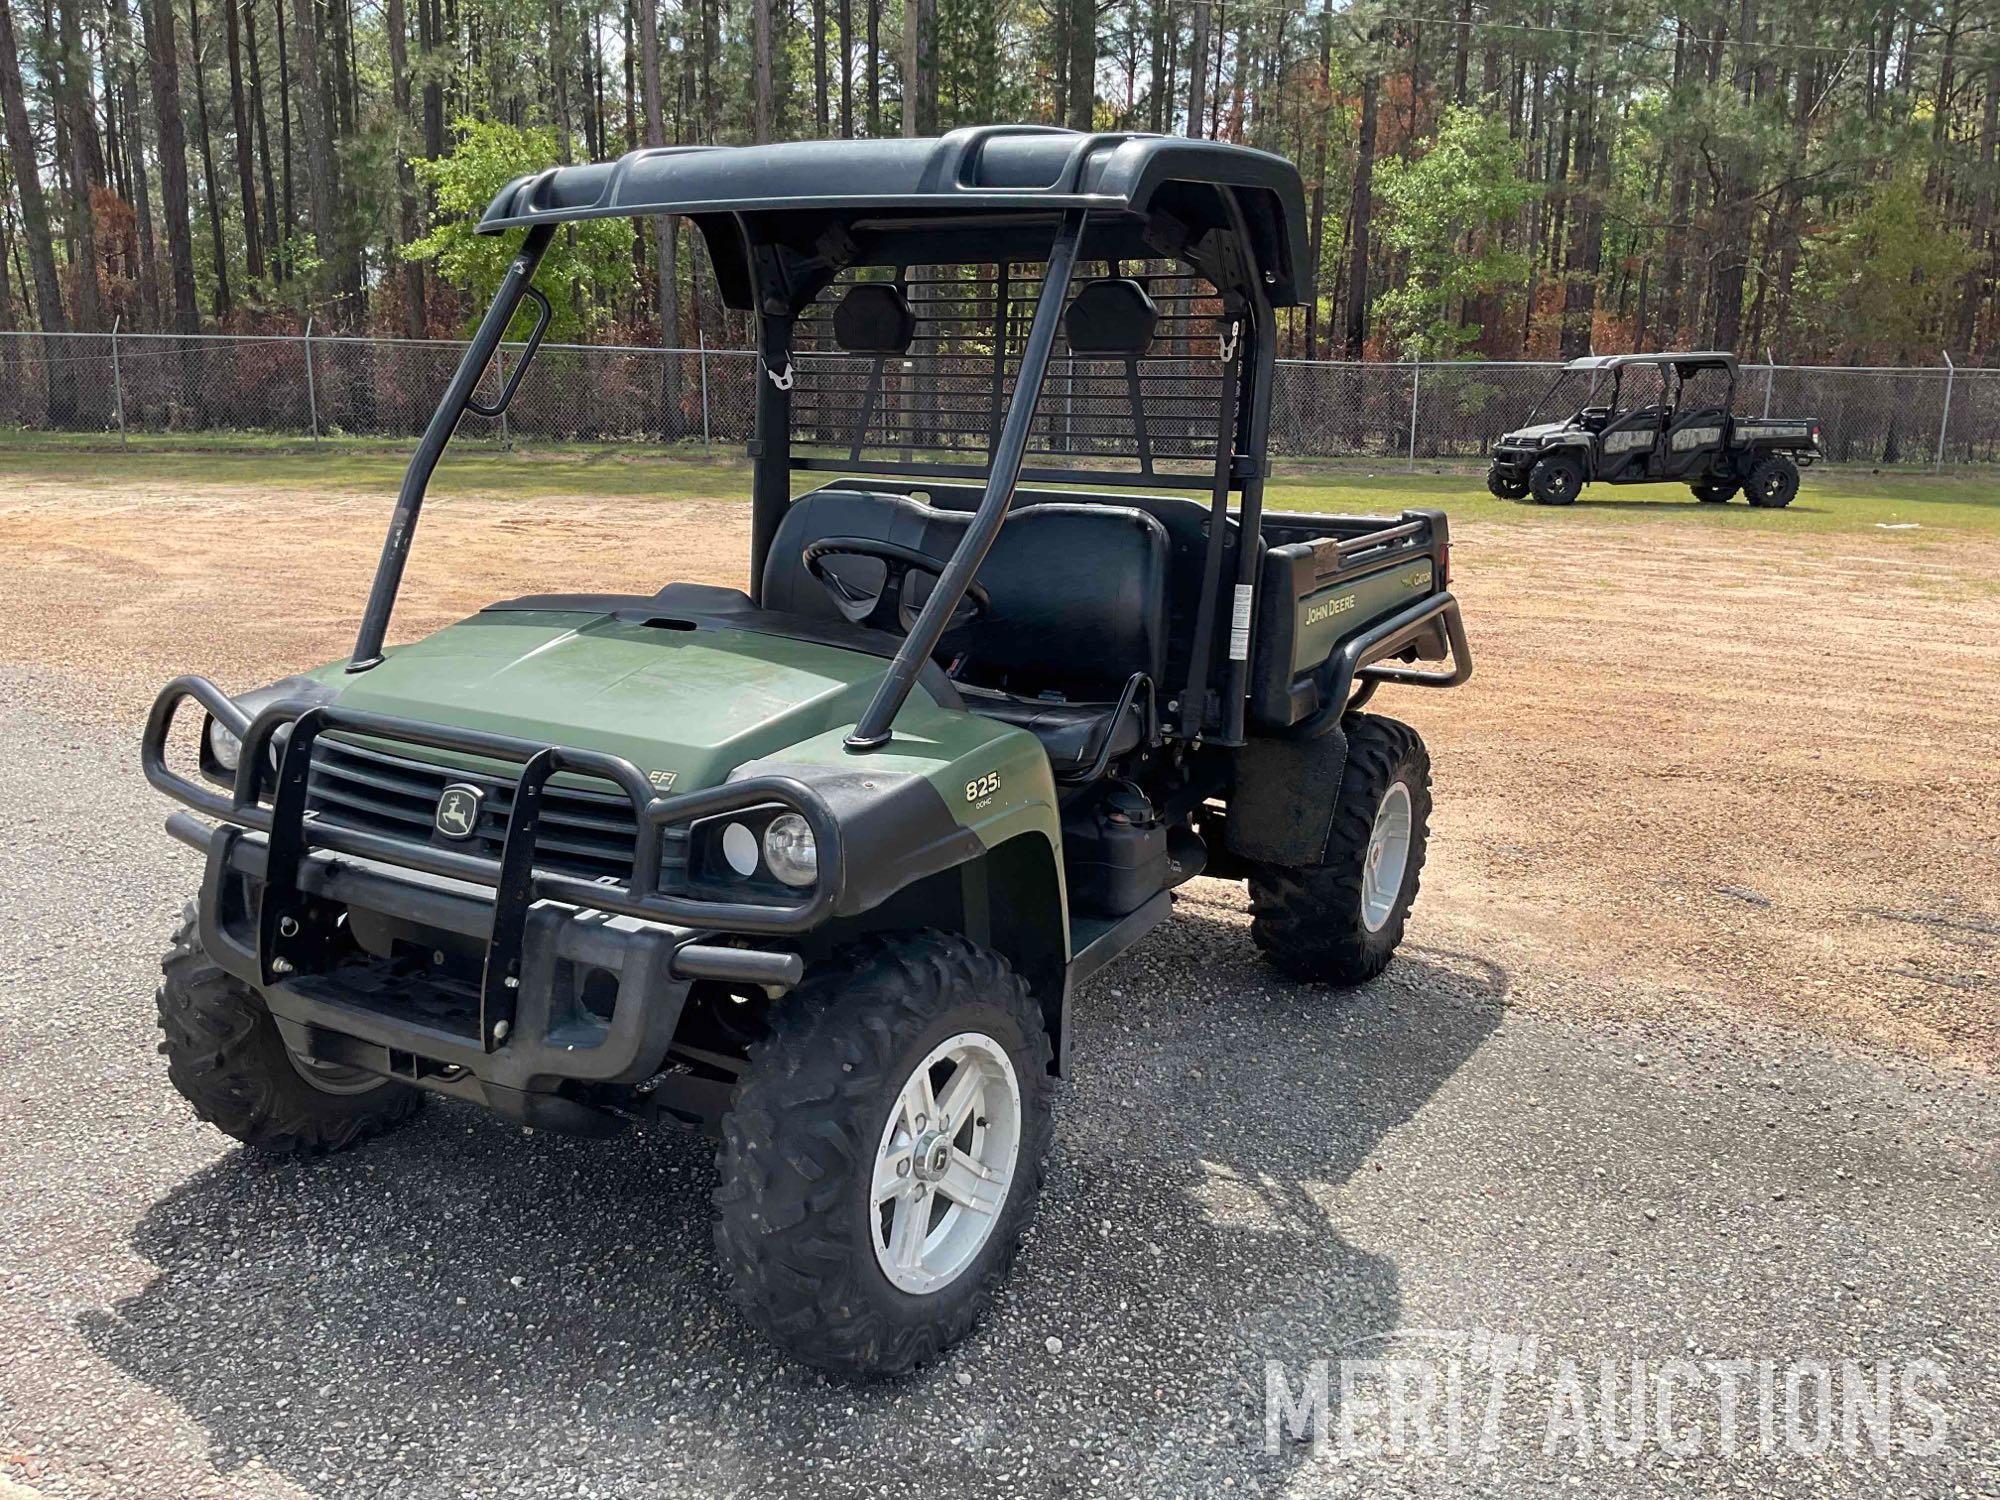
1716, 491
813, 1194
1772, 483
1339, 921
227, 1059
1501, 488
1556, 480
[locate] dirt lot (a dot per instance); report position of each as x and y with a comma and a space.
1726, 774
1688, 1056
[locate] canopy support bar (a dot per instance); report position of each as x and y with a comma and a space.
873, 731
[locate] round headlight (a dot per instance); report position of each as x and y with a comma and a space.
739, 849
789, 850
224, 746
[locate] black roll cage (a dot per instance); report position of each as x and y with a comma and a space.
1674, 372
784, 282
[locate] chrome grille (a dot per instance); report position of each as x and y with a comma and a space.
584, 833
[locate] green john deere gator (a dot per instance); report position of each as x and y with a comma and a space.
819, 867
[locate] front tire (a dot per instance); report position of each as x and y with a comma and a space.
1500, 487
883, 1154
1715, 491
1340, 921
1773, 483
225, 1056
1556, 480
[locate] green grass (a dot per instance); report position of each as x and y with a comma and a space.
1831, 500
372, 464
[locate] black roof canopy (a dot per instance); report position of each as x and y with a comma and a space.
976, 194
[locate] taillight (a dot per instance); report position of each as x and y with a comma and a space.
1444, 566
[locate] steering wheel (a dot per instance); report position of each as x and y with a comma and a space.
887, 609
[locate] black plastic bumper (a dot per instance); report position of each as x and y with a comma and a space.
1514, 463
599, 1000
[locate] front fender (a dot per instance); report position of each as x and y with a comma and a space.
925, 803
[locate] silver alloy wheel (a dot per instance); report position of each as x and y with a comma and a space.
1388, 857
945, 1163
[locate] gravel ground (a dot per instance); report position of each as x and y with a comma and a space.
1244, 1171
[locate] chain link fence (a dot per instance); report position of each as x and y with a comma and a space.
316, 386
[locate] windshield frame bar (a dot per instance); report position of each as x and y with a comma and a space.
458, 398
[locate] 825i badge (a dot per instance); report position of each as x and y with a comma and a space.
982, 787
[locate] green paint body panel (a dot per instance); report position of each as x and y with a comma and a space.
1328, 616
700, 704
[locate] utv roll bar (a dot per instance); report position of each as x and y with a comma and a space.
516, 284
1675, 369
782, 222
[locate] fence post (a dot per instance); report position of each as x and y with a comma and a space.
312, 393
117, 378
1944, 418
701, 338
1416, 384
1770, 375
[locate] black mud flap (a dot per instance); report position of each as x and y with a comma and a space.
1281, 809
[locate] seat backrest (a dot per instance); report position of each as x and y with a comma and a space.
1186, 522
1079, 602
1079, 592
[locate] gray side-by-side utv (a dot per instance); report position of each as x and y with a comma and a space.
1653, 419
819, 865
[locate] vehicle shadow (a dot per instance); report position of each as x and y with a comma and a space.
458, 1309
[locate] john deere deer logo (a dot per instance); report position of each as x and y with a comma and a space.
458, 810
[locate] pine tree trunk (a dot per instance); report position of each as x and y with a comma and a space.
246, 171
1198, 69
285, 123
559, 76
1359, 216
208, 163
396, 22
666, 236
875, 68
430, 38
128, 72
1082, 64
321, 185
1979, 279
919, 67
260, 120
162, 53
763, 23
846, 13
1322, 122
820, 104
34, 222
86, 160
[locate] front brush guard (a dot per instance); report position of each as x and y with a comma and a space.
292, 933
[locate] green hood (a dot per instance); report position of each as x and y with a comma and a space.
693, 703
